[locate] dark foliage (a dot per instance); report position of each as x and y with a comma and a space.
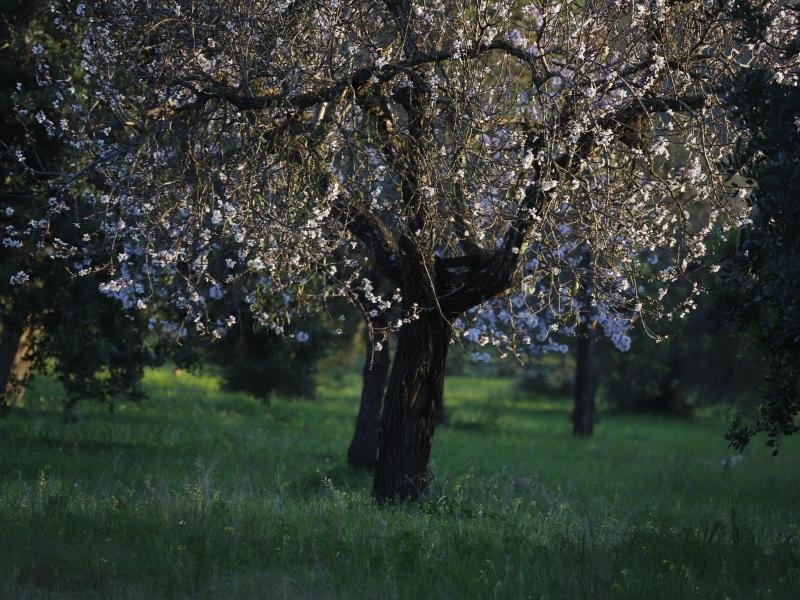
258, 361
97, 350
263, 363
551, 375
700, 362
760, 282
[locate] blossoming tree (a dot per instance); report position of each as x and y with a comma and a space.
48, 318
467, 152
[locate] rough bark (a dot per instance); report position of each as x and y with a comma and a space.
15, 363
363, 448
409, 415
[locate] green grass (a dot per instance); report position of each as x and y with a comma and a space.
200, 493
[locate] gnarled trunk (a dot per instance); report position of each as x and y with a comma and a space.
363, 448
416, 383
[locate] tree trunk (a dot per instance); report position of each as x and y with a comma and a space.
583, 413
15, 363
416, 383
364, 447
9, 342
585, 385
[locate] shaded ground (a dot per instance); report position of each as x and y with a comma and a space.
207, 494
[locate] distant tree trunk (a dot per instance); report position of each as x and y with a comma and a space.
584, 410
585, 384
9, 342
364, 447
669, 399
415, 386
15, 362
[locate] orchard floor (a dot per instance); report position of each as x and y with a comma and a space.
203, 494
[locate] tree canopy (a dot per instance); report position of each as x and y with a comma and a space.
467, 152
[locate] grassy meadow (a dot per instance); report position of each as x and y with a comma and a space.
205, 494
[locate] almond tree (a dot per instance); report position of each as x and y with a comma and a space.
464, 151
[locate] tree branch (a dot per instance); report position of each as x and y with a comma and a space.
361, 76
374, 234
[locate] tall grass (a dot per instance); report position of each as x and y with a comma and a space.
202, 493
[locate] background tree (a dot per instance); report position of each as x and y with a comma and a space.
252, 358
760, 282
49, 317
464, 151
583, 413
363, 449
17, 332
699, 362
